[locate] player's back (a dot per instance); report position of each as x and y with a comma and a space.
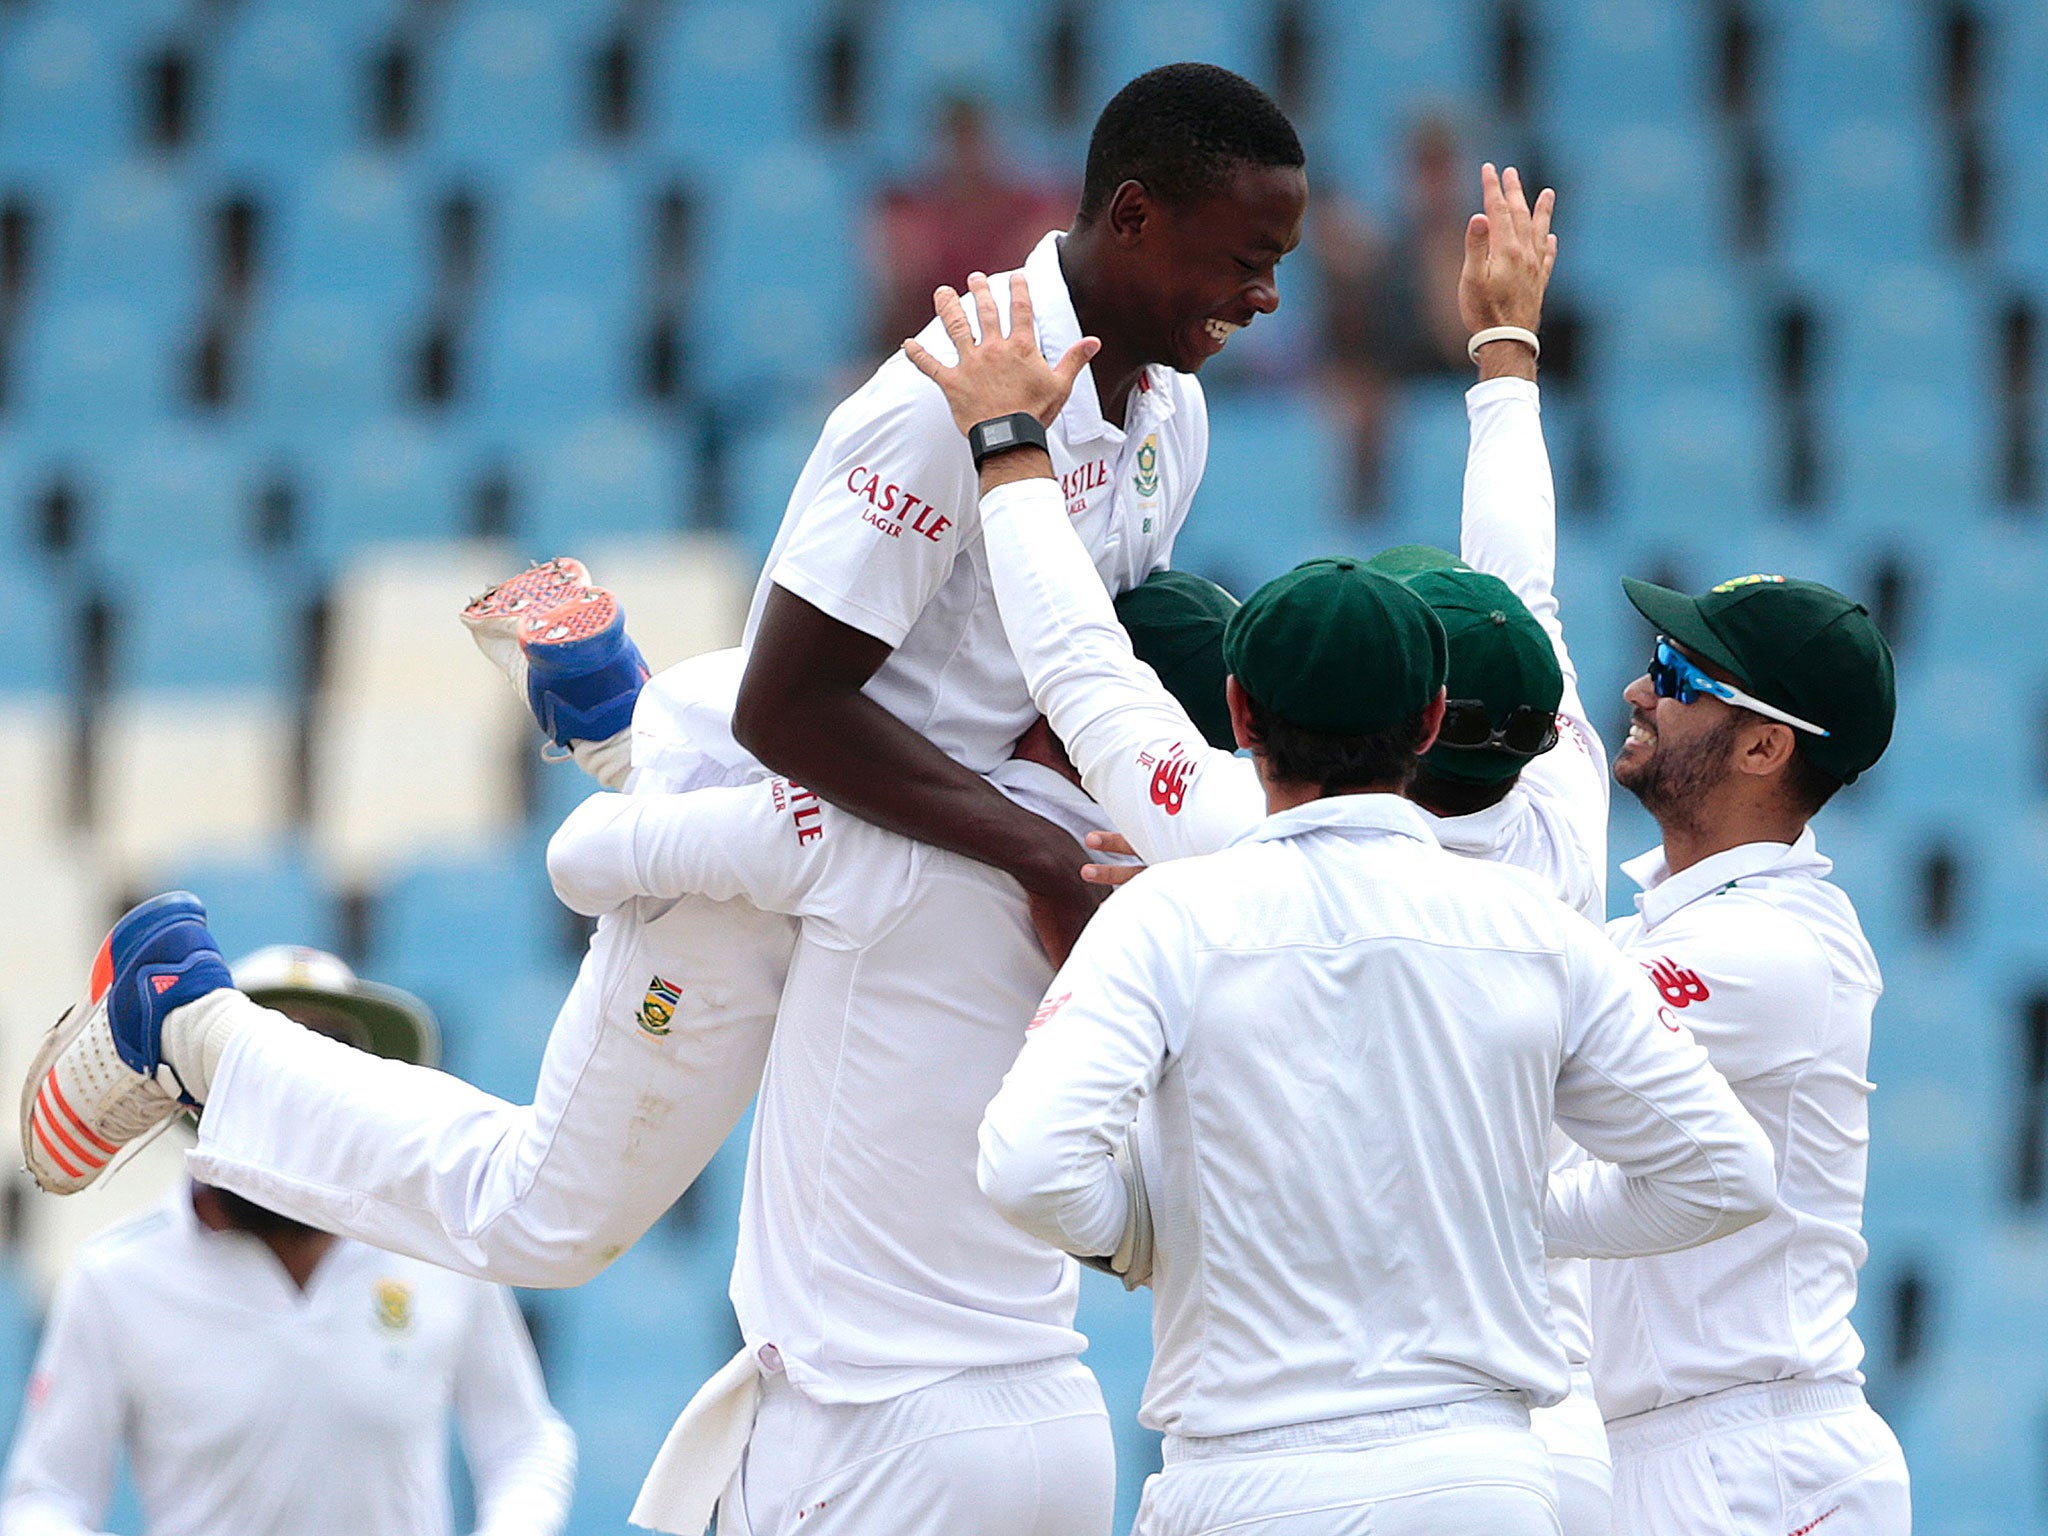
1355, 1124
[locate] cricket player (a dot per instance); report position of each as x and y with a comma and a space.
1355, 1044
1729, 1375
261, 1376
877, 672
1527, 782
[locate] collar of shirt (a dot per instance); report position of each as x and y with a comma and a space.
1477, 834
1393, 814
1052, 308
1664, 893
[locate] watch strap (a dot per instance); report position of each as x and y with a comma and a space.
1004, 434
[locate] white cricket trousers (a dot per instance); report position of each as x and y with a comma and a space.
1460, 1469
1018, 1450
632, 1103
1775, 1459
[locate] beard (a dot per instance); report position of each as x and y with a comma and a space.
257, 1220
1673, 782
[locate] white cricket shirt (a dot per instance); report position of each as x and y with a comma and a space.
247, 1407
867, 1259
1762, 959
1173, 795
883, 530
1355, 1044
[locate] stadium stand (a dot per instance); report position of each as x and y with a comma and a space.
316, 318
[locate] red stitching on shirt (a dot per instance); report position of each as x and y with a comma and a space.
1815, 1521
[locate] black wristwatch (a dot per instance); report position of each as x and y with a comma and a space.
1003, 434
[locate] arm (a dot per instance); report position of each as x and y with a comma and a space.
1095, 1048
1139, 755
1684, 1162
771, 843
60, 1476
521, 1456
802, 712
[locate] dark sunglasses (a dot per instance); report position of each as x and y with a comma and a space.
1469, 727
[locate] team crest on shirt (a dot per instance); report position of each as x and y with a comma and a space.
1748, 581
658, 1007
1146, 481
394, 1305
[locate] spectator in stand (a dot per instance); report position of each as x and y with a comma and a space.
970, 213
1392, 302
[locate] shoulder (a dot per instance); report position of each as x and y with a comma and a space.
898, 403
140, 1241
1735, 941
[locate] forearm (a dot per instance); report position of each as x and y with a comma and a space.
530, 1491
616, 848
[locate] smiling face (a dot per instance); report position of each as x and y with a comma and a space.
1676, 754
1200, 273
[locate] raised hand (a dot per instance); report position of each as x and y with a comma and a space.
1509, 251
998, 375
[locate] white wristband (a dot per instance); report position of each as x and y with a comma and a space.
1502, 333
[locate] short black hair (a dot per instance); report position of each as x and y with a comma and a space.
1808, 785
1385, 759
1182, 130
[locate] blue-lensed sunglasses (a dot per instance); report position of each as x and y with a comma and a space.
1673, 676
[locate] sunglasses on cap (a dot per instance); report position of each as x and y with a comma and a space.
1468, 727
1673, 676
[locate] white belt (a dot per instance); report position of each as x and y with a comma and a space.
703, 1451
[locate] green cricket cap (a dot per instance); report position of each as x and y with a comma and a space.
1336, 647
1797, 645
1499, 654
1176, 620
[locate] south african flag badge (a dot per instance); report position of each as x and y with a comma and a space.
658, 1007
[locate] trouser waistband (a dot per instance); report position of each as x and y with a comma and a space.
1353, 1433
1753, 1403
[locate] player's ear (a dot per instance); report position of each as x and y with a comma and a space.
1240, 713
1765, 749
1130, 212
1433, 719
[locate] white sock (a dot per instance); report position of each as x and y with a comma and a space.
197, 1036
607, 761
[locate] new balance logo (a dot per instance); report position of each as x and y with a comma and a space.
1046, 1010
1170, 781
1816, 1521
1680, 987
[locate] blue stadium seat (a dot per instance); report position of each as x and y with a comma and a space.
465, 920
67, 90
556, 356
133, 232
2019, 213
510, 82
1128, 37
723, 75
1621, 62
942, 48
41, 656
1832, 176
204, 623
94, 370
1831, 61
1118, 1326
1917, 323
1691, 456
1694, 325
762, 468
394, 480
1426, 437
608, 477
569, 222
1385, 64
358, 227
25, 470
173, 494
291, 84
1970, 1435
1908, 456
777, 275
1640, 197
275, 900
494, 1024
325, 362
1274, 493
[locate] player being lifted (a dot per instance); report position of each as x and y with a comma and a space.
1518, 773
